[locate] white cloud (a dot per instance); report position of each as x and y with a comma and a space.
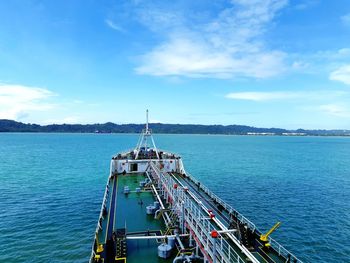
335, 110
160, 19
344, 52
155, 121
306, 4
346, 19
230, 45
182, 56
331, 55
284, 95
299, 65
114, 26
320, 62
17, 101
66, 120
263, 96
342, 74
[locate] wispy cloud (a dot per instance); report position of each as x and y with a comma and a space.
66, 120
160, 20
284, 95
17, 101
346, 19
114, 26
320, 62
230, 45
306, 4
341, 74
155, 121
335, 110
328, 56
300, 65
220, 114
263, 96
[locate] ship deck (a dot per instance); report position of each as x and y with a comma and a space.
127, 212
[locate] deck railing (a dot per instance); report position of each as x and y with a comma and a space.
274, 244
217, 199
201, 226
198, 222
282, 251
99, 227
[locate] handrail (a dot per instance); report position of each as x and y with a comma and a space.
274, 244
196, 218
100, 216
283, 251
229, 208
132, 149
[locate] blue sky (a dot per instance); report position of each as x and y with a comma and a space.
264, 63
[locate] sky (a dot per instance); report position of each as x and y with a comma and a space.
264, 63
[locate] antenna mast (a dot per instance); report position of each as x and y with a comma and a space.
143, 141
146, 121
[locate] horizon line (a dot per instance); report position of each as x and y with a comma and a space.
223, 125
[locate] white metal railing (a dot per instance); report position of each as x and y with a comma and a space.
201, 226
227, 207
196, 219
99, 227
283, 251
124, 152
274, 244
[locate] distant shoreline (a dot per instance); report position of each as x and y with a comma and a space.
194, 134
159, 128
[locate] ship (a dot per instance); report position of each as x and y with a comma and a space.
153, 210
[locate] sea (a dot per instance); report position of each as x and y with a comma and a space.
51, 188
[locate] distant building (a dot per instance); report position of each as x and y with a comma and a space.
294, 133
260, 133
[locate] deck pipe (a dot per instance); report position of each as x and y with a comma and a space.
187, 258
156, 237
242, 248
183, 258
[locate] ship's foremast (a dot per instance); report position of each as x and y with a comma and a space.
145, 138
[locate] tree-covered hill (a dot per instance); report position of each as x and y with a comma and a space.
109, 127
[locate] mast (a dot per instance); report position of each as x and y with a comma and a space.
145, 137
147, 120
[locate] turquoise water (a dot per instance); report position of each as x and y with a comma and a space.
52, 185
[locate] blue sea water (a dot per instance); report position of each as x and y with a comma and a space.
51, 188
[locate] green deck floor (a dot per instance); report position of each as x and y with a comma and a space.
131, 212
